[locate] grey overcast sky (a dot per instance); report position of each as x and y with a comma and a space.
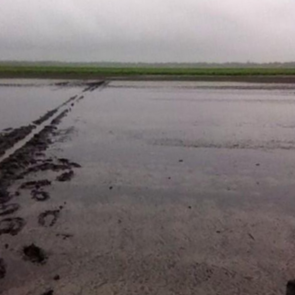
148, 30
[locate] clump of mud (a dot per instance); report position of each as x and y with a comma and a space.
49, 165
34, 254
68, 163
4, 196
35, 184
50, 292
6, 209
66, 176
2, 268
290, 288
48, 218
65, 236
11, 226
40, 195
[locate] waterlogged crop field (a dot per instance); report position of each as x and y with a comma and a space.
145, 187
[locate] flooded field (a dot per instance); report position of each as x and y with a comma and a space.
146, 188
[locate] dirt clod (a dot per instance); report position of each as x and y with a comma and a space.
11, 226
75, 165
40, 195
34, 254
48, 218
35, 184
66, 176
290, 288
2, 268
8, 209
64, 160
65, 236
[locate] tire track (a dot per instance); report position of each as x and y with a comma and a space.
14, 140
22, 155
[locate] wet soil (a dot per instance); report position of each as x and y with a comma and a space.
170, 199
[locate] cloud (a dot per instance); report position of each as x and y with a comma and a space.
160, 31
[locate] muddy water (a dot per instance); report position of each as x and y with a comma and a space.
184, 188
22, 101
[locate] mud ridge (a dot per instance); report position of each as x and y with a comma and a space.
8, 209
45, 117
11, 226
58, 119
8, 140
40, 195
91, 86
69, 100
66, 176
14, 166
50, 165
48, 218
35, 184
